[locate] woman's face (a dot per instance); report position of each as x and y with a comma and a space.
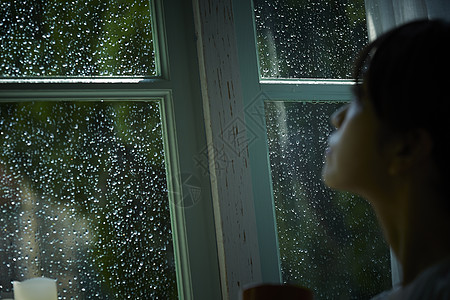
354, 161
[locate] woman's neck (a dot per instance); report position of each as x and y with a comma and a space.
418, 231
425, 241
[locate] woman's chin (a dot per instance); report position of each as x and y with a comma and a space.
327, 178
331, 179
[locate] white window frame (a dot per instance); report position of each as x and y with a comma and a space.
177, 88
255, 91
232, 92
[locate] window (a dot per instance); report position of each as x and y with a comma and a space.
84, 199
77, 38
327, 241
210, 261
95, 191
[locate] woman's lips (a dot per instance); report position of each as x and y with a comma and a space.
329, 148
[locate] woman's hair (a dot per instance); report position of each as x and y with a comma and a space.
406, 75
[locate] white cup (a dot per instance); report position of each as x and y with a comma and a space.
35, 289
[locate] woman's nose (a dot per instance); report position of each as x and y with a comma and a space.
338, 116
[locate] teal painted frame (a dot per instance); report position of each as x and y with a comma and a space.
256, 91
177, 88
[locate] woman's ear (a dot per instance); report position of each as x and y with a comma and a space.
409, 151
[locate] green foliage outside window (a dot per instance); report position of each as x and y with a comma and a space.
76, 38
309, 38
83, 199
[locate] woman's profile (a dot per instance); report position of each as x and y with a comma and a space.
391, 147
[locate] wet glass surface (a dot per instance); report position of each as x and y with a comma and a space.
83, 199
76, 38
309, 38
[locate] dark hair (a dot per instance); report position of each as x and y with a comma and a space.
406, 75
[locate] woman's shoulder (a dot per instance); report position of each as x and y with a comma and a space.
433, 283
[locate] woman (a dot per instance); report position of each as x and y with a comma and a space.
390, 146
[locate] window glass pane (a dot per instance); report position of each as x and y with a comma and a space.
83, 199
76, 38
309, 38
329, 241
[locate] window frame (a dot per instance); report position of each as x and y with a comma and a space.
209, 253
193, 229
256, 91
